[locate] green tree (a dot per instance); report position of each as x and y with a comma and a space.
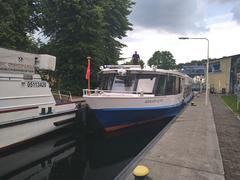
18, 21
163, 60
78, 28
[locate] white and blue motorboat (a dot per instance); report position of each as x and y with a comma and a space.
129, 95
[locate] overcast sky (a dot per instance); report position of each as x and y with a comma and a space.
157, 24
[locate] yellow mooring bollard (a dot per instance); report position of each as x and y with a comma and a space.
140, 172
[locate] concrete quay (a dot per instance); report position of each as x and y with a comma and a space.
228, 130
189, 148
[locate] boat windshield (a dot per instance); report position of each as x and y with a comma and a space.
146, 83
157, 84
127, 83
118, 83
123, 83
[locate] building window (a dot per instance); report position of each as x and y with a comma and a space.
214, 67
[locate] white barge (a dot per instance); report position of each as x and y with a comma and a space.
27, 106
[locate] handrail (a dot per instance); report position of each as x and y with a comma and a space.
60, 95
121, 66
100, 92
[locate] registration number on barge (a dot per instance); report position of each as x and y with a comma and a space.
36, 84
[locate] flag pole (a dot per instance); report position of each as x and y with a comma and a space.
89, 84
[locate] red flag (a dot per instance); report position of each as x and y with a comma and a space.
88, 71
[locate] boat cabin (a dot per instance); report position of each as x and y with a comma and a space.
136, 80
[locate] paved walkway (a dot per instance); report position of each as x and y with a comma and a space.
228, 130
188, 150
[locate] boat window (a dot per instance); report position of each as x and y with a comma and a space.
170, 85
146, 83
187, 88
123, 83
106, 81
160, 90
178, 85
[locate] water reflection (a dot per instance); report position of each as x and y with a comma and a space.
72, 154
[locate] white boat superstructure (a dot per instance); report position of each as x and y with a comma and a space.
129, 95
27, 106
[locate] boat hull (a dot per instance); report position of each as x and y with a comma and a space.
114, 119
114, 113
16, 133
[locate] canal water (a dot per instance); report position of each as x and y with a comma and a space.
71, 154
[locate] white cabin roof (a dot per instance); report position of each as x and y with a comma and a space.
22, 62
109, 68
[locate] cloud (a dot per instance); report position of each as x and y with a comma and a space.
174, 16
235, 7
236, 12
222, 1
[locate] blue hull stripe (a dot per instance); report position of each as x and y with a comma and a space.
123, 116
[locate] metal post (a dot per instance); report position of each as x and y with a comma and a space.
207, 65
70, 96
59, 94
207, 80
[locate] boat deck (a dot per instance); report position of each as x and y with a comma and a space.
189, 149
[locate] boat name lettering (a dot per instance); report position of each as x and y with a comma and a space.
16, 67
153, 100
36, 84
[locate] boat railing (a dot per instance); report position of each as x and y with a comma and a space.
101, 92
66, 97
121, 66
62, 97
